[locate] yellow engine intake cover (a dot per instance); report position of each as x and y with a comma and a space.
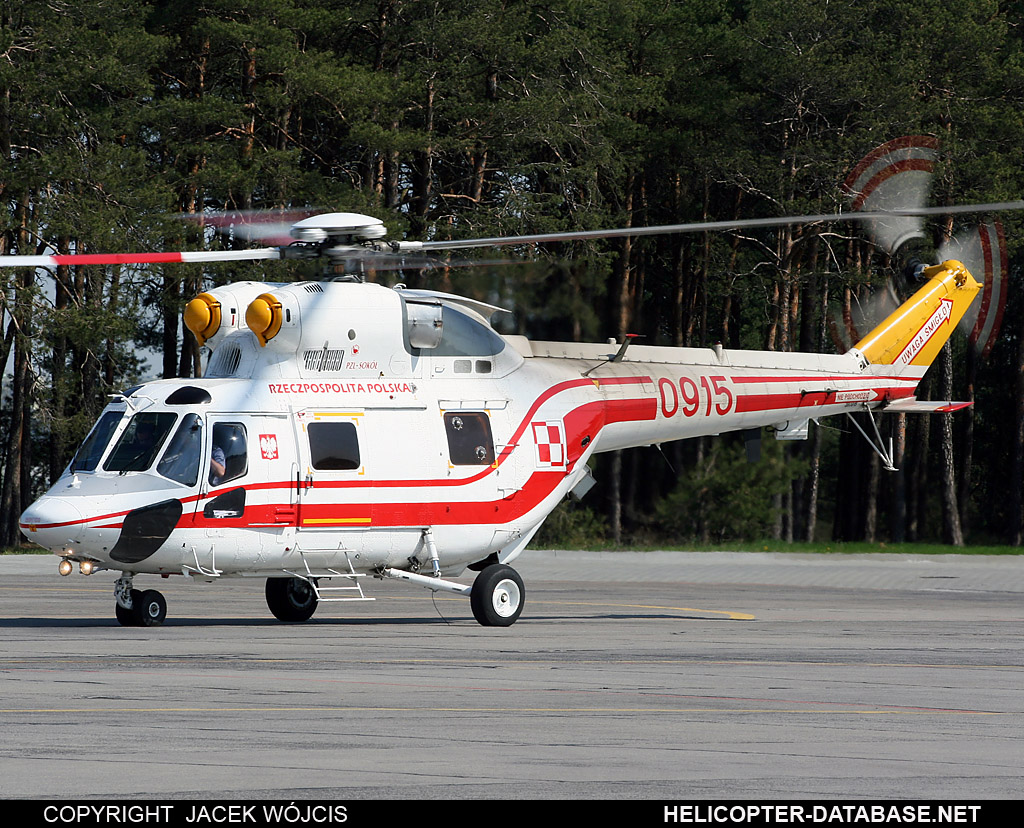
264, 317
202, 317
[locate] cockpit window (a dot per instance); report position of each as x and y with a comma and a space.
180, 462
140, 441
95, 444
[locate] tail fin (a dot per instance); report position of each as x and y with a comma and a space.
914, 333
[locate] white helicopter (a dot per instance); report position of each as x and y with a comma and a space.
346, 430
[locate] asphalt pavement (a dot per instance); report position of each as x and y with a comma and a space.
658, 675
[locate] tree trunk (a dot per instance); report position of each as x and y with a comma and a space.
951, 529
918, 437
19, 433
170, 326
1016, 527
871, 498
624, 271
17, 436
967, 444
424, 174
615, 498
813, 479
898, 515
58, 368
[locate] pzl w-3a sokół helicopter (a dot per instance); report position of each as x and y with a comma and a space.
344, 429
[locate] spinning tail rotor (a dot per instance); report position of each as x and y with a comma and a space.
895, 179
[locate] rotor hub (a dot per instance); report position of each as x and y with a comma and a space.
337, 227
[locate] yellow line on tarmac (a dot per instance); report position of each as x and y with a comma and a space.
733, 616
730, 614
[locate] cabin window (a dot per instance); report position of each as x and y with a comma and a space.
469, 438
229, 457
96, 443
333, 446
180, 462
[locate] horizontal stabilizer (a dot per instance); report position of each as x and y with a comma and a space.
916, 406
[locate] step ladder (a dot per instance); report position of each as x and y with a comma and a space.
333, 593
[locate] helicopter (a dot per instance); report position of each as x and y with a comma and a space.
346, 430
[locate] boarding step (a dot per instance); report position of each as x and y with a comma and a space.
333, 593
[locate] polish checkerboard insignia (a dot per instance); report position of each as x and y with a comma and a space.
550, 440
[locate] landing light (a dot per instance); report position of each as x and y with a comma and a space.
65, 567
86, 567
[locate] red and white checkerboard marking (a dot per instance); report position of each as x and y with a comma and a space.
550, 440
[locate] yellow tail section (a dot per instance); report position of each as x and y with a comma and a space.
916, 331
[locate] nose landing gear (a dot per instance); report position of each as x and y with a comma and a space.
135, 608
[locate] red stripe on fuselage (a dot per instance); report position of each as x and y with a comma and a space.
392, 514
747, 403
607, 411
583, 422
826, 378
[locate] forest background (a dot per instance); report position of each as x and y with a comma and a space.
451, 119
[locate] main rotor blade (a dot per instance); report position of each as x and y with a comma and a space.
266, 226
140, 258
497, 241
710, 226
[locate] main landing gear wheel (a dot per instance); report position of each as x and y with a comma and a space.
291, 599
497, 597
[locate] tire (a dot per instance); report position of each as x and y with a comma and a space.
498, 596
150, 609
128, 617
125, 617
291, 599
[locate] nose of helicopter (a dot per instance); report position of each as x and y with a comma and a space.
52, 522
